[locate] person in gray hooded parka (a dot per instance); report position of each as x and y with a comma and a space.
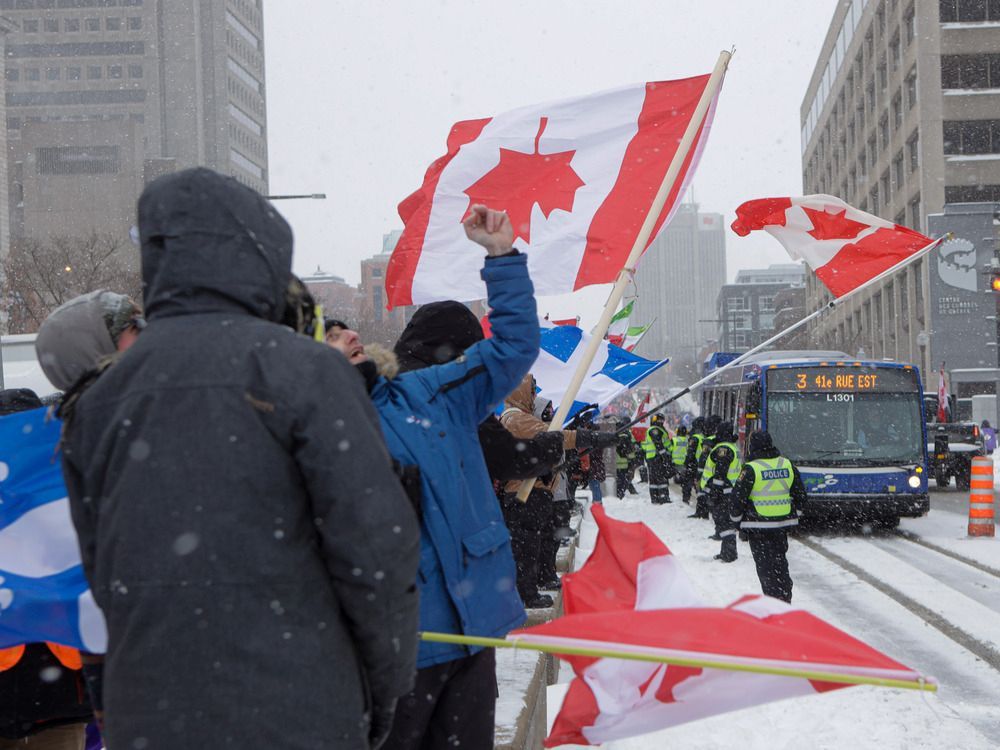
241, 528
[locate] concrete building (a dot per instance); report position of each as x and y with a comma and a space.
746, 309
677, 284
104, 95
339, 299
900, 117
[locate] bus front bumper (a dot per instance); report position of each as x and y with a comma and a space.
867, 506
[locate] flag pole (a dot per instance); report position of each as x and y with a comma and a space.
642, 239
641, 335
631, 652
795, 326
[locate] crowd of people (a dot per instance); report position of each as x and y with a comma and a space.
268, 523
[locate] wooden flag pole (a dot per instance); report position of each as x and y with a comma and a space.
641, 240
661, 656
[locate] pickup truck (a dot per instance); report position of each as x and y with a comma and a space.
951, 447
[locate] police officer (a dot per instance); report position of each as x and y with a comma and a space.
678, 453
712, 423
691, 460
626, 458
658, 450
722, 469
765, 503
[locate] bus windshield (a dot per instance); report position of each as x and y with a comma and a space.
859, 429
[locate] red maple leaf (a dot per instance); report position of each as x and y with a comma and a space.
833, 226
522, 180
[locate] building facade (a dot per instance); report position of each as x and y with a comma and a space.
746, 309
901, 116
677, 284
104, 95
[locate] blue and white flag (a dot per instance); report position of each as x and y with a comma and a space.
612, 372
43, 593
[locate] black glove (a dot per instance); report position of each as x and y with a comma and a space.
584, 416
381, 724
595, 440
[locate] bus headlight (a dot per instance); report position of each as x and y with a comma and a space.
913, 481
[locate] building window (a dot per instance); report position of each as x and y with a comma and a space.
115, 71
135, 71
883, 75
51, 25
873, 196
897, 169
913, 151
245, 164
30, 26
897, 110
134, 23
886, 186
12, 74
972, 194
909, 25
872, 152
93, 72
914, 209
895, 52
78, 160
883, 131
969, 10
71, 24
92, 24
970, 71
870, 95
73, 74
52, 74
972, 137
113, 23
911, 88
32, 74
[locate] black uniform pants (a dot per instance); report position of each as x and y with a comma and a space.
558, 530
770, 555
623, 481
659, 479
718, 503
451, 705
528, 524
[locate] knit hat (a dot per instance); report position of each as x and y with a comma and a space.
18, 399
438, 332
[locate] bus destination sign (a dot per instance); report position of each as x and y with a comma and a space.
840, 380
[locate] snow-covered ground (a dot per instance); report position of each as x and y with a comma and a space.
964, 713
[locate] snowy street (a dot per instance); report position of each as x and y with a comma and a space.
919, 604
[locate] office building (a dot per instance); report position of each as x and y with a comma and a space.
104, 95
901, 117
677, 284
746, 309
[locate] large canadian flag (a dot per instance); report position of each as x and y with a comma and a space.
845, 247
577, 178
633, 596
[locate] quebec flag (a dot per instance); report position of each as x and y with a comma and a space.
43, 593
612, 372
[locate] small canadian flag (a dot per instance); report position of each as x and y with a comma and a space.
845, 247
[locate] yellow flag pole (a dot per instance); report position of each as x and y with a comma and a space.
641, 240
680, 661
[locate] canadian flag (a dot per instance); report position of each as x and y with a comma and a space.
633, 595
942, 411
576, 177
640, 428
845, 247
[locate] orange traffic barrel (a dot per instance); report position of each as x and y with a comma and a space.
981, 513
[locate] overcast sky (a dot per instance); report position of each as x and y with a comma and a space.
361, 95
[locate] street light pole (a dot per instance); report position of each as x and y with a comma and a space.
310, 196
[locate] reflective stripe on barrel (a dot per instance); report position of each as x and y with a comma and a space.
981, 502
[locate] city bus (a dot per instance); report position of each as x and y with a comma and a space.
854, 429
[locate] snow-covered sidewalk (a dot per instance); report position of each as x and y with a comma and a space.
964, 713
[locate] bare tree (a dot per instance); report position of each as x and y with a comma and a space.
39, 276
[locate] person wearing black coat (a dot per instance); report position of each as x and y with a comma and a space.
768, 483
240, 527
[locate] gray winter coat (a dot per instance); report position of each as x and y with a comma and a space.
239, 521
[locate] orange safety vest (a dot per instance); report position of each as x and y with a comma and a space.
69, 657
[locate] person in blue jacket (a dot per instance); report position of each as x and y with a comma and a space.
430, 418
